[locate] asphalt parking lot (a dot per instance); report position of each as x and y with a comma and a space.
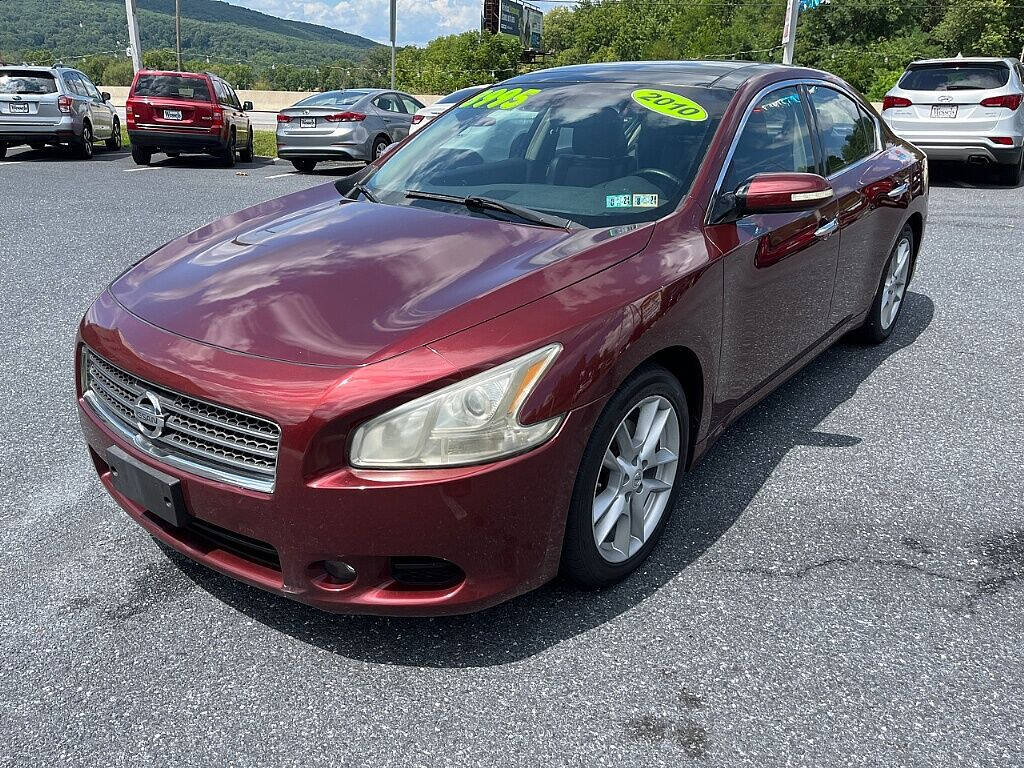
842, 583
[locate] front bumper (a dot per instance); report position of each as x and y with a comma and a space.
501, 524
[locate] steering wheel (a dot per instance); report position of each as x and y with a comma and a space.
663, 174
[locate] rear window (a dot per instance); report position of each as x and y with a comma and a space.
173, 87
13, 81
332, 99
955, 77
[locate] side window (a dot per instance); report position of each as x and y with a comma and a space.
74, 84
776, 138
89, 87
387, 102
222, 93
234, 97
847, 133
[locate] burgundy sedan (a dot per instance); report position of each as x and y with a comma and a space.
492, 355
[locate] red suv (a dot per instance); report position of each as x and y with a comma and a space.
175, 112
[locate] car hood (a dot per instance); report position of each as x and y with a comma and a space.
313, 278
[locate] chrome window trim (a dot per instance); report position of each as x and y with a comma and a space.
755, 100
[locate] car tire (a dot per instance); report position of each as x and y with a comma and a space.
114, 142
38, 146
380, 144
3, 151
892, 290
82, 148
229, 155
1010, 174
142, 155
248, 151
304, 166
617, 516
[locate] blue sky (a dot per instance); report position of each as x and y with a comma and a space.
419, 21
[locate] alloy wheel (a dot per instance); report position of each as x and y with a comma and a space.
638, 470
895, 283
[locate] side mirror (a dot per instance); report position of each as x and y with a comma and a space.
105, 95
781, 192
247, 106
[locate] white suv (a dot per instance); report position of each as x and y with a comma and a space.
966, 109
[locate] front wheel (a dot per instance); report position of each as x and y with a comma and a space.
885, 309
114, 142
628, 480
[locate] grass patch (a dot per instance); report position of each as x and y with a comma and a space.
264, 142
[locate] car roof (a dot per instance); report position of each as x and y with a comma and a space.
34, 67
965, 60
174, 73
724, 74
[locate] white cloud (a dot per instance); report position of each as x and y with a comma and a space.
419, 21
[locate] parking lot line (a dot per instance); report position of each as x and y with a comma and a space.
11, 162
280, 175
141, 168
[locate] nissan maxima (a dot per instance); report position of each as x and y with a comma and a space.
491, 356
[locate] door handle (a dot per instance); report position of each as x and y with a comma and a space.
897, 192
827, 229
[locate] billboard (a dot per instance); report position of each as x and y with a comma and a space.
515, 18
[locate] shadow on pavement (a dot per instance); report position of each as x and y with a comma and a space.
965, 175
715, 494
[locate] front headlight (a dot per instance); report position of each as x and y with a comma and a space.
474, 421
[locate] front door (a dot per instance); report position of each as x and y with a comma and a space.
779, 268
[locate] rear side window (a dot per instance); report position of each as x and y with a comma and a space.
388, 103
173, 87
26, 83
411, 105
955, 77
775, 138
847, 133
75, 84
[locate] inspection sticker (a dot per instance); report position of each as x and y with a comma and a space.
631, 201
669, 104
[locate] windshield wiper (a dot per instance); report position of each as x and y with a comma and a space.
489, 203
360, 187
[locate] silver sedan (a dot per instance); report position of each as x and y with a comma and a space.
354, 124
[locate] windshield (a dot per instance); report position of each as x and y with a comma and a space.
955, 77
600, 154
332, 99
173, 87
459, 95
27, 82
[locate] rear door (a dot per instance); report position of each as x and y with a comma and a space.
28, 98
389, 109
779, 268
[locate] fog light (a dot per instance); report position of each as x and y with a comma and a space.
339, 571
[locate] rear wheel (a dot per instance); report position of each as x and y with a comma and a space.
885, 309
1010, 174
248, 151
229, 155
3, 151
380, 144
304, 166
114, 142
83, 147
627, 483
141, 155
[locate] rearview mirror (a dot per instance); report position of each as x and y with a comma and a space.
781, 192
247, 106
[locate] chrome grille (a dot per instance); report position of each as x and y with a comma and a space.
197, 436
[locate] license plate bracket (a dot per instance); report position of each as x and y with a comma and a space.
944, 110
307, 122
172, 114
153, 490
21, 109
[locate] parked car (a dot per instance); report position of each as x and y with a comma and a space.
187, 112
442, 105
964, 109
55, 105
355, 124
429, 386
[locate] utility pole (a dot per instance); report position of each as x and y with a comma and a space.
177, 30
394, 29
135, 51
789, 31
